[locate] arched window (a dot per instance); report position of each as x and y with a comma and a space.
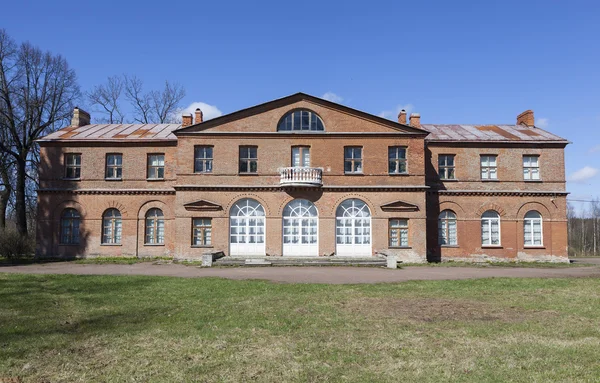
300, 228
353, 228
155, 227
111, 227
447, 228
301, 120
69, 227
533, 229
490, 228
247, 228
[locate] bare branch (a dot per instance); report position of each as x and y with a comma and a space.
108, 98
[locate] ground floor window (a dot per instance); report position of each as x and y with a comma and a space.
155, 227
533, 229
398, 234
447, 228
69, 227
111, 227
202, 232
490, 228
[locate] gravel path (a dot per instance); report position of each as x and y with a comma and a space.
334, 275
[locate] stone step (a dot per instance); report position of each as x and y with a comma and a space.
301, 261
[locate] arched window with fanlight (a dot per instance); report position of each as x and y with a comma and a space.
490, 228
532, 229
155, 227
111, 227
447, 228
301, 120
69, 227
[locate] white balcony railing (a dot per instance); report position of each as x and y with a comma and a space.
297, 176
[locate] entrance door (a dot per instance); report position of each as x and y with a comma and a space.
247, 228
300, 229
353, 229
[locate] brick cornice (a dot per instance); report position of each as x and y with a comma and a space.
109, 191
492, 193
280, 188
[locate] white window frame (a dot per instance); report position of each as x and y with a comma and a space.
201, 232
398, 231
444, 168
528, 173
531, 223
153, 171
489, 221
396, 161
489, 166
112, 168
355, 159
154, 227
444, 224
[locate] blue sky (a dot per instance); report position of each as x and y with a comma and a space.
453, 62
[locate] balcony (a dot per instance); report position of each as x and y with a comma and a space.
297, 176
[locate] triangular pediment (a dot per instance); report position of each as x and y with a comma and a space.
399, 206
202, 205
264, 118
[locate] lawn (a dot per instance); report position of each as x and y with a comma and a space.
109, 328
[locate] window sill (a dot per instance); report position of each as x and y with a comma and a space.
71, 179
247, 174
202, 246
354, 174
534, 247
113, 179
154, 244
154, 179
398, 174
490, 180
449, 246
533, 181
111, 244
400, 247
449, 180
200, 173
491, 246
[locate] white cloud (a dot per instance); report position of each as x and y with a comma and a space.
595, 149
208, 111
583, 174
542, 123
330, 96
393, 114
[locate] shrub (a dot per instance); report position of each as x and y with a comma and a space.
15, 245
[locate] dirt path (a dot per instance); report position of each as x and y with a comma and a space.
334, 275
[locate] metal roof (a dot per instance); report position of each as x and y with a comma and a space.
489, 133
101, 132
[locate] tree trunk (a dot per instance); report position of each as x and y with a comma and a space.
20, 205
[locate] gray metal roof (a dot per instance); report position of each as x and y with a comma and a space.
483, 133
101, 132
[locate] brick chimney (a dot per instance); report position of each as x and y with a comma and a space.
402, 117
199, 116
80, 117
415, 120
186, 120
526, 118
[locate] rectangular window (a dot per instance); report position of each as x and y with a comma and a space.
398, 233
114, 166
353, 159
73, 165
203, 159
489, 167
156, 166
301, 156
397, 160
531, 168
201, 232
446, 167
248, 159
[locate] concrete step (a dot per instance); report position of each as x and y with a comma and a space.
301, 261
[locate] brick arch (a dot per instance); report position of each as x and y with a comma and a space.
290, 199
491, 206
155, 204
534, 205
370, 204
453, 206
116, 205
239, 197
68, 204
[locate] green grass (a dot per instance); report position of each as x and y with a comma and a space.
535, 265
131, 328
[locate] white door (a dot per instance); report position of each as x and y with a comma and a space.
247, 228
300, 229
353, 229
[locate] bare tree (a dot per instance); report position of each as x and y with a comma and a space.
107, 97
6, 166
166, 103
141, 102
38, 91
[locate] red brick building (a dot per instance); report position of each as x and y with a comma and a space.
301, 176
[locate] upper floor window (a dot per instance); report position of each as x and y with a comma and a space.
490, 228
111, 227
155, 227
533, 229
73, 165
301, 120
447, 233
156, 166
114, 166
301, 156
248, 159
446, 166
203, 159
489, 167
398, 233
353, 159
531, 167
397, 160
69, 227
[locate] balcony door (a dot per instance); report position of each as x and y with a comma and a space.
247, 228
353, 229
301, 156
300, 229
